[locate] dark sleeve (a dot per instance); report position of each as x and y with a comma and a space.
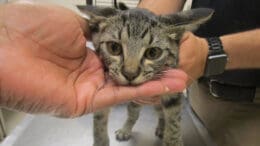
232, 16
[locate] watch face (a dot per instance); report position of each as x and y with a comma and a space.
217, 58
216, 64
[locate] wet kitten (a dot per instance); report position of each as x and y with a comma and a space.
136, 46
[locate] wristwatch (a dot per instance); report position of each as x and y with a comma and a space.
217, 58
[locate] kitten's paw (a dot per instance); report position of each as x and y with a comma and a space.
104, 141
175, 143
159, 132
123, 135
101, 144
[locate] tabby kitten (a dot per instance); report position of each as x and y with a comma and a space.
137, 46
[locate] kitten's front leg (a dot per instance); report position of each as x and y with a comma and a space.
161, 122
101, 137
172, 112
133, 111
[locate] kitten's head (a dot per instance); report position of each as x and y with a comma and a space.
136, 45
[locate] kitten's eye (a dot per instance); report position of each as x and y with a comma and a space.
114, 48
153, 53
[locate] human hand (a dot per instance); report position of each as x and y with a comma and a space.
192, 56
46, 68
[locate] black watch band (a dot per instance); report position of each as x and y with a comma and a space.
217, 58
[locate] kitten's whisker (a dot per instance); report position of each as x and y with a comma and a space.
157, 76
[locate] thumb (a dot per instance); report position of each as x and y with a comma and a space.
84, 26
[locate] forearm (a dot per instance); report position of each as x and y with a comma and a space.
162, 6
243, 49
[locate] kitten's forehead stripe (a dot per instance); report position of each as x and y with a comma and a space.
144, 33
124, 18
151, 40
128, 30
147, 36
119, 34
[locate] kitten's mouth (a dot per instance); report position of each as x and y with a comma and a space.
125, 82
141, 78
137, 81
134, 83
120, 79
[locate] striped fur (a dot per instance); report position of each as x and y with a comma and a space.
137, 46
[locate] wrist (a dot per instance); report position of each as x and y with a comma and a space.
226, 46
204, 55
216, 59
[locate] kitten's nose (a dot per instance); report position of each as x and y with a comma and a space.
130, 74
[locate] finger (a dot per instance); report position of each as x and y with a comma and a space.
165, 85
145, 102
175, 73
84, 26
185, 36
175, 80
149, 101
111, 95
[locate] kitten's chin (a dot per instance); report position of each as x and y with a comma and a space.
141, 79
123, 83
120, 81
137, 82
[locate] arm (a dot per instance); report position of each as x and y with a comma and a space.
162, 6
243, 50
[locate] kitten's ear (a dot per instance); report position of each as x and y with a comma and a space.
96, 16
185, 21
98, 11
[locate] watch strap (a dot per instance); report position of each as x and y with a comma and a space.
217, 58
